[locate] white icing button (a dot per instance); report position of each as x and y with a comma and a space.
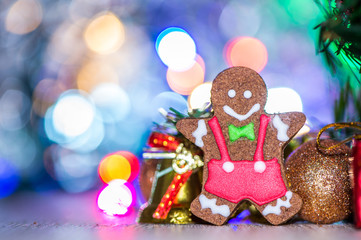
282, 129
231, 93
259, 166
228, 167
247, 94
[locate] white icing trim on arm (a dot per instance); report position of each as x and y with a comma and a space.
280, 203
211, 203
282, 129
227, 109
200, 132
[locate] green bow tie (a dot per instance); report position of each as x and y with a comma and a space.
238, 132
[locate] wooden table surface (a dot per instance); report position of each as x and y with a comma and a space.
57, 215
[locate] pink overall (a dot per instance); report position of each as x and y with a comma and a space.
244, 182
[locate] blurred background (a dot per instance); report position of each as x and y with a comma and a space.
80, 79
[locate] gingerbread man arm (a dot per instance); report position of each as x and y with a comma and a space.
288, 124
194, 129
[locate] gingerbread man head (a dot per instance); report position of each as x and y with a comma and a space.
239, 94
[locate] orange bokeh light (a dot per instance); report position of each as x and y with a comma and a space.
248, 52
184, 82
105, 33
24, 16
114, 166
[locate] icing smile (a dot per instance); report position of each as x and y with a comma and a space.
227, 109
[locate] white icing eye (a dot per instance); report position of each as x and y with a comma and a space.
246, 94
231, 93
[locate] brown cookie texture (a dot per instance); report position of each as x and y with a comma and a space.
238, 98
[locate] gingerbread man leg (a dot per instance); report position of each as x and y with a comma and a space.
282, 209
212, 208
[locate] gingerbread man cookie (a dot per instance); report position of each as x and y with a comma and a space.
243, 150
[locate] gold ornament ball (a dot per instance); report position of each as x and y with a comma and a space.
321, 178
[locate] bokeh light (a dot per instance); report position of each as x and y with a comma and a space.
116, 198
112, 101
176, 48
87, 141
184, 82
200, 96
283, 100
114, 166
24, 16
73, 114
246, 51
74, 123
9, 178
165, 101
105, 34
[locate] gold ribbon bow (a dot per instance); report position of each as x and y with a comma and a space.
338, 126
